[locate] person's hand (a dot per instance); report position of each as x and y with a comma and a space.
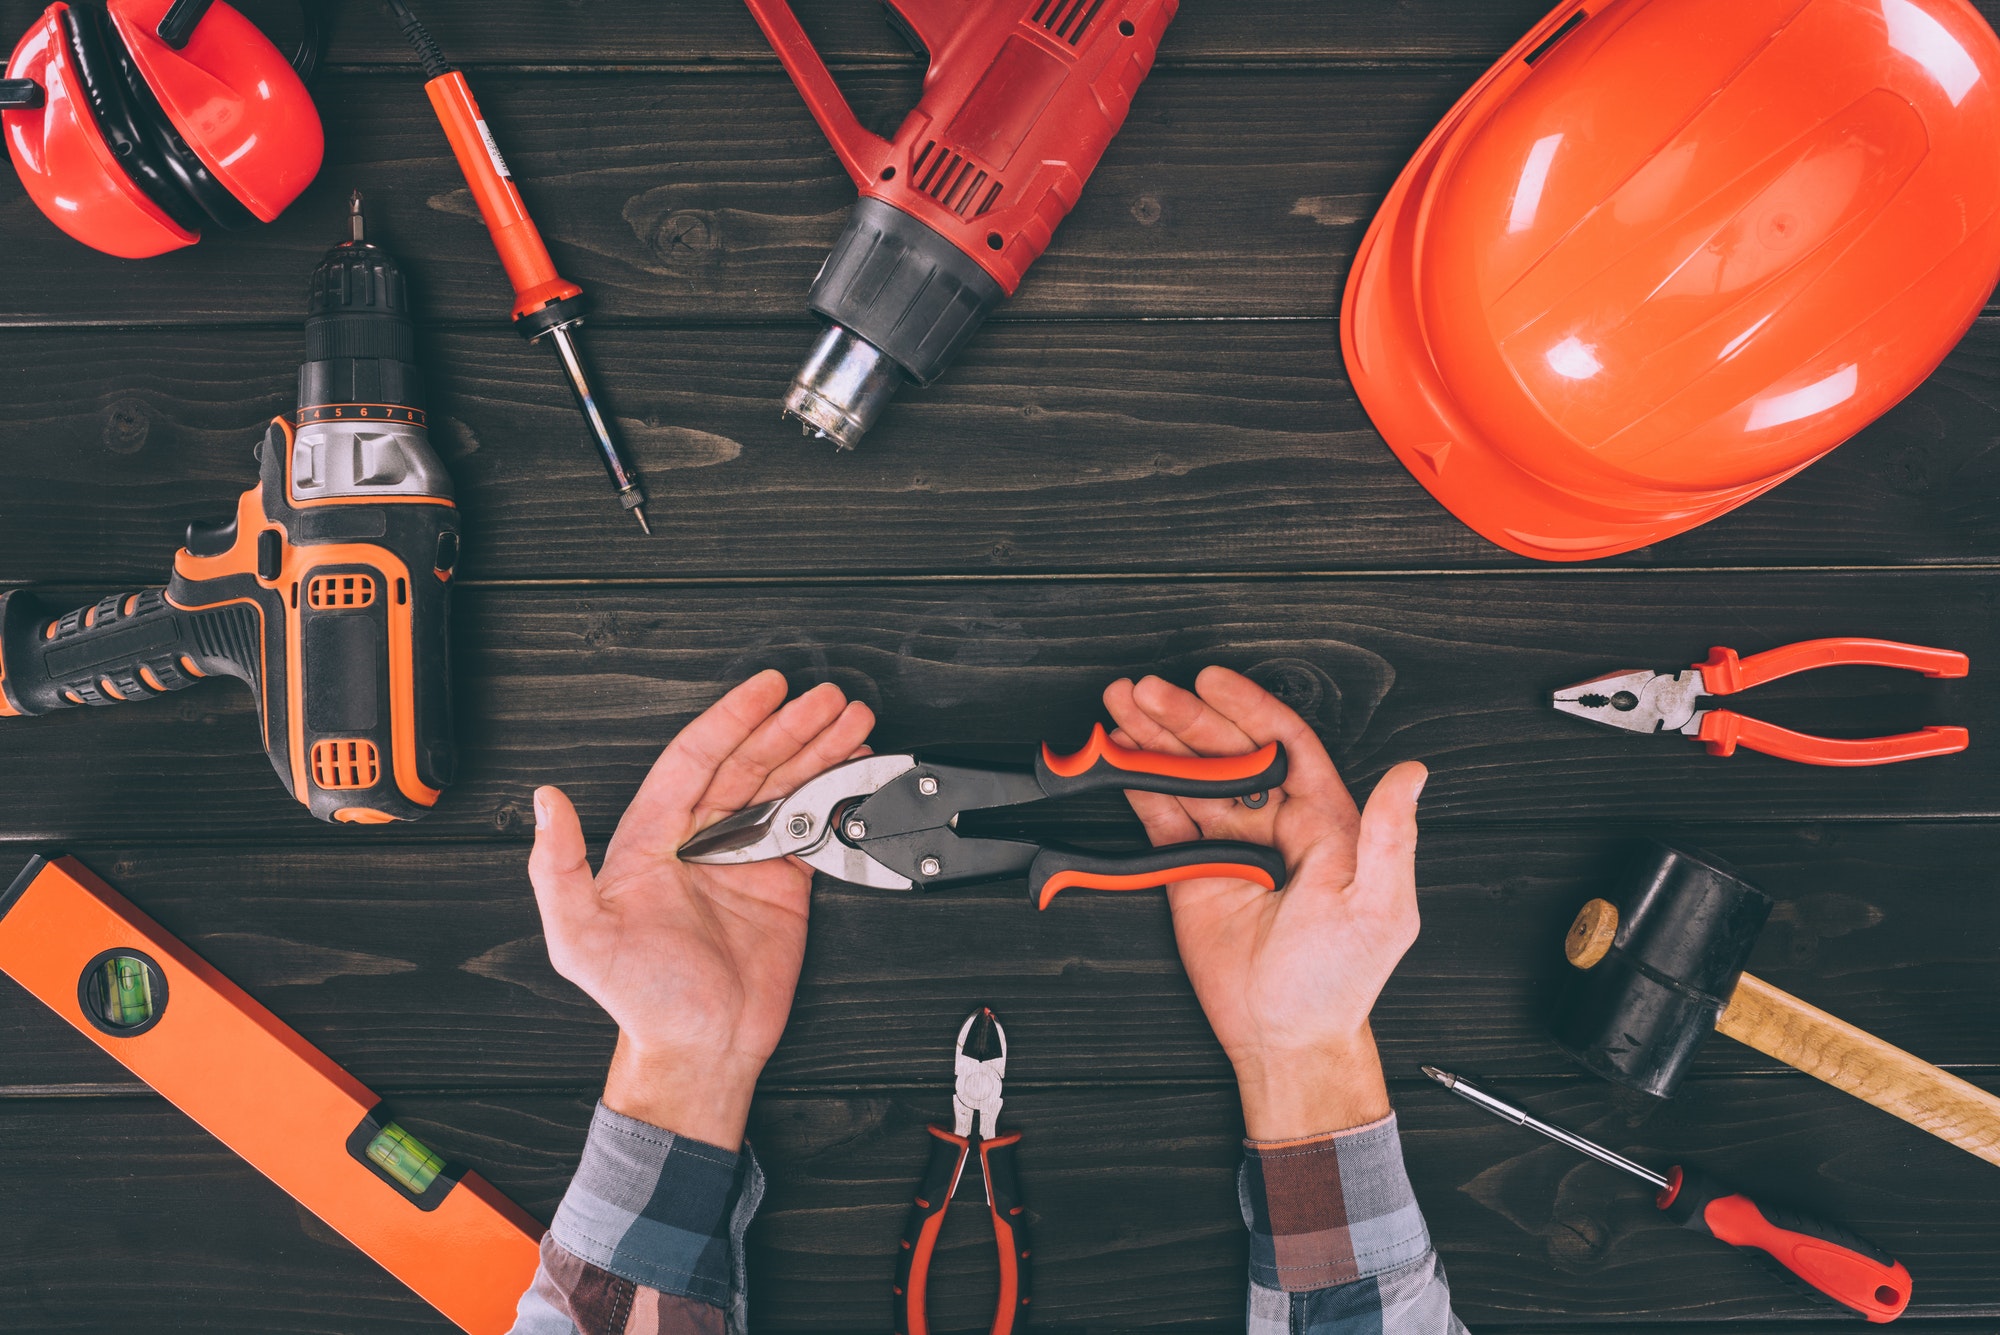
696, 964
1286, 979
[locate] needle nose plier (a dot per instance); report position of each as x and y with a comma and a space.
979, 1060
1658, 701
891, 822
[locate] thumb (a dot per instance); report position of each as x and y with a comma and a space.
1385, 859
558, 868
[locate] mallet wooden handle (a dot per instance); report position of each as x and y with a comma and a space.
1779, 1025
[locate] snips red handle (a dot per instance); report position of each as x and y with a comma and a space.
1825, 1257
1056, 869
1103, 765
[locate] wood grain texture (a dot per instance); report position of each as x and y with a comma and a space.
1105, 447
423, 968
1131, 1195
713, 197
585, 685
1856, 1062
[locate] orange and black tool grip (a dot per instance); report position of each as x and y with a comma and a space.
1104, 766
1010, 1230
1056, 869
130, 646
920, 1234
1824, 1258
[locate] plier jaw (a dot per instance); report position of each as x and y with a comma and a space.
975, 1100
1658, 701
1638, 701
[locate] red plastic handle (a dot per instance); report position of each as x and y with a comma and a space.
860, 151
1725, 674
1103, 764
1724, 730
522, 251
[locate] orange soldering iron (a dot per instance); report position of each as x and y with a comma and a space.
546, 305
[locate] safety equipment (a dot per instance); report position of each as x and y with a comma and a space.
136, 124
1667, 253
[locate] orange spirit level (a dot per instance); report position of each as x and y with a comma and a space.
266, 1093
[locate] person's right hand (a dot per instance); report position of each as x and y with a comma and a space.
696, 964
1287, 980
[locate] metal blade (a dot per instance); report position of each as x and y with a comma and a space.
1634, 701
1507, 1112
735, 839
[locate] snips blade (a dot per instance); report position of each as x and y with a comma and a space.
1635, 701
803, 826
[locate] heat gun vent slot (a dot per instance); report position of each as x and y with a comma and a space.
344, 765
1067, 19
325, 592
954, 181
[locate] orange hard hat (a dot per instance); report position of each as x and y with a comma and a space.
1667, 253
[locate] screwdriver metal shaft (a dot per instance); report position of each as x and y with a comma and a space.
1507, 1112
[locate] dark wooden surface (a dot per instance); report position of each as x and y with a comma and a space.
1151, 460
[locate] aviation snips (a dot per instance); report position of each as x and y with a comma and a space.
891, 822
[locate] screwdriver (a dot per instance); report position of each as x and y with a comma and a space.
1825, 1258
546, 305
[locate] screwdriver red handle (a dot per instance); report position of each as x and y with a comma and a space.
1104, 766
1826, 1259
1725, 673
515, 236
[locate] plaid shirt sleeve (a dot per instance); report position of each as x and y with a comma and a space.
648, 1240
1337, 1244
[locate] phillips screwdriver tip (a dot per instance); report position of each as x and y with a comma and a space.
1445, 1078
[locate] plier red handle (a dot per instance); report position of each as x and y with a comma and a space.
1658, 701
976, 1104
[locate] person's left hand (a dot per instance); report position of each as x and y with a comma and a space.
696, 964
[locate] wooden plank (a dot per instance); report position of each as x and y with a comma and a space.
1055, 447
584, 685
423, 968
1131, 1195
705, 197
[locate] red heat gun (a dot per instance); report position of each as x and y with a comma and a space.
1021, 98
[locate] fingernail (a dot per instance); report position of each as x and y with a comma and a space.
541, 812
1419, 791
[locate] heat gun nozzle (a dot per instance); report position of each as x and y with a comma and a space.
843, 387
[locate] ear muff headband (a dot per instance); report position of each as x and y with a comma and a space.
104, 92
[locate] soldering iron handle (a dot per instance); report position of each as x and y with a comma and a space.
1824, 1257
1104, 766
129, 646
522, 252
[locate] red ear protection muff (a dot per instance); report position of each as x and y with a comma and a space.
134, 124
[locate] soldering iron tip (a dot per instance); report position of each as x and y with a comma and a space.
1445, 1078
639, 513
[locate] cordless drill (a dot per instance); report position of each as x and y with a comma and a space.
1020, 101
328, 592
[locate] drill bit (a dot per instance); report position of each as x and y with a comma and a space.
357, 226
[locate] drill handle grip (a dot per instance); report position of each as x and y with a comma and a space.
130, 646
